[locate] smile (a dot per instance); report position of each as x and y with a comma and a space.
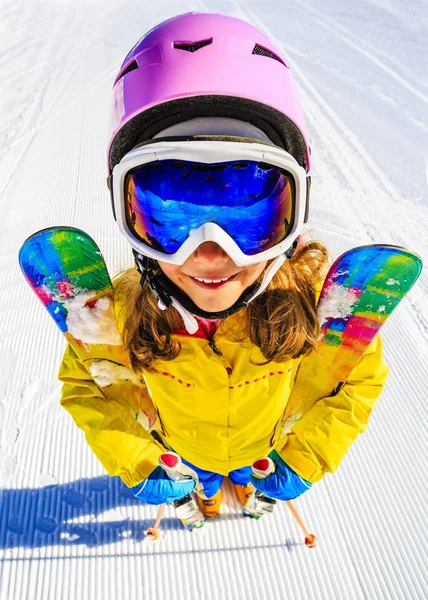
211, 280
212, 283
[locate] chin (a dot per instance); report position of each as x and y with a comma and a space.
214, 307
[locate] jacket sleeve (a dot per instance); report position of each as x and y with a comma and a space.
111, 429
319, 441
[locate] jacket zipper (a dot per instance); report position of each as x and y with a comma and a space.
219, 353
161, 423
272, 439
214, 348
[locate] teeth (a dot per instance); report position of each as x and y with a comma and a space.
211, 280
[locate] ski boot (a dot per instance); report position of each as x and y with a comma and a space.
187, 510
210, 506
255, 504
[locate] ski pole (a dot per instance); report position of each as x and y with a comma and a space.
169, 463
310, 538
154, 531
264, 467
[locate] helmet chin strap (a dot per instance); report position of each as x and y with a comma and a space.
168, 294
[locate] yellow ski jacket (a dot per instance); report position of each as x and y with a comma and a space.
214, 405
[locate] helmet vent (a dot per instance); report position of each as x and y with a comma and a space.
263, 52
131, 67
193, 46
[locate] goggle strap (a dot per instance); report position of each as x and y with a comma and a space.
269, 274
308, 193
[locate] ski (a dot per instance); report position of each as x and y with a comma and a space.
362, 289
67, 272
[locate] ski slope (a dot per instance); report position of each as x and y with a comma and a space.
66, 529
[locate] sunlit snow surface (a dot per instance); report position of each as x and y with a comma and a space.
66, 529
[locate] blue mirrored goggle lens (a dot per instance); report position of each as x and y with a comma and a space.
253, 202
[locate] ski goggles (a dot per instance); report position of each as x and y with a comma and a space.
171, 196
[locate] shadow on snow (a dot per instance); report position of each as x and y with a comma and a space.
44, 517
72, 514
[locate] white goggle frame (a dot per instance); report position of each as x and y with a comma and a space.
209, 152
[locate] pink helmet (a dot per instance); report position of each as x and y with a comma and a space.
205, 65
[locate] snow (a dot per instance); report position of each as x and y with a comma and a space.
66, 529
337, 303
105, 373
392, 281
92, 325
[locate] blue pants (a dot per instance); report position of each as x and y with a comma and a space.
212, 481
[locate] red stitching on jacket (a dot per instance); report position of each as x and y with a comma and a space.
166, 374
233, 387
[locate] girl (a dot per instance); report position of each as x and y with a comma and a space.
209, 178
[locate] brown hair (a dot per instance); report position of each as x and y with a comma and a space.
282, 321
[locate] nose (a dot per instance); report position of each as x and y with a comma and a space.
210, 252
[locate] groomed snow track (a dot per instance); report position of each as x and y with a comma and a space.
66, 529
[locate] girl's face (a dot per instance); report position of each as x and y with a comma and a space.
210, 277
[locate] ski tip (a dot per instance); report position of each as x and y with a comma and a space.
50, 231
193, 525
